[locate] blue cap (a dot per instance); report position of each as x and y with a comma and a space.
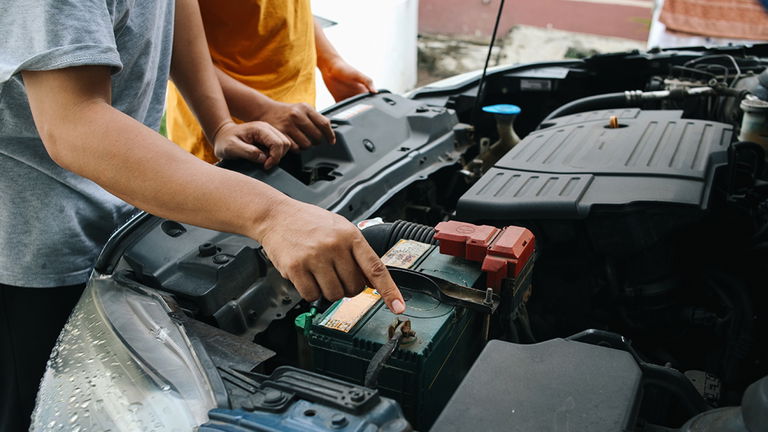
502, 109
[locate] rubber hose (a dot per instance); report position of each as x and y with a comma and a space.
383, 236
739, 342
603, 101
410, 231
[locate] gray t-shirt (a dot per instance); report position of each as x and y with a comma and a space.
53, 223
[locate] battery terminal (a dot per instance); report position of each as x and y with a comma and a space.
408, 335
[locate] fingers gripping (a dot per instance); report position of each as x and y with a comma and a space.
276, 144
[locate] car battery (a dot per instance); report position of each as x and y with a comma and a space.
427, 259
424, 371
454, 291
422, 374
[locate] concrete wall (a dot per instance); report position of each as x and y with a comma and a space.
443, 56
629, 19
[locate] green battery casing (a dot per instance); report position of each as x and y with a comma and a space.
422, 374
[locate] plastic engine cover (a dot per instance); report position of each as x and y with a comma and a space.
579, 161
557, 385
293, 399
383, 143
305, 416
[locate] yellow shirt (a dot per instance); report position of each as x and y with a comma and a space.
268, 45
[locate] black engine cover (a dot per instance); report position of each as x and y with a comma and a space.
557, 385
563, 171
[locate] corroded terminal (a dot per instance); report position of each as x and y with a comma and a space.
408, 335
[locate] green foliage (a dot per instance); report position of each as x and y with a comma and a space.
163, 131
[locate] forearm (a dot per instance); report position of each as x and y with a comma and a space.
192, 70
341, 79
141, 167
326, 53
244, 102
320, 252
299, 121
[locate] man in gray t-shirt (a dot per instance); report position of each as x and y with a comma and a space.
81, 90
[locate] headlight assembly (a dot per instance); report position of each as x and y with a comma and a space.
122, 364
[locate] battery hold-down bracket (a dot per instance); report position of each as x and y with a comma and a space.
446, 292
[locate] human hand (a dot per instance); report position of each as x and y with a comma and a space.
256, 141
323, 254
344, 81
301, 123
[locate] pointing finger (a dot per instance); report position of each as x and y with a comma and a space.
376, 272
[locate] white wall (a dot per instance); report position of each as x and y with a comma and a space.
376, 36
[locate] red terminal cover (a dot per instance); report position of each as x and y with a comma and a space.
508, 254
465, 240
503, 252
514, 242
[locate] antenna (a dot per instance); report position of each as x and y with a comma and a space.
481, 85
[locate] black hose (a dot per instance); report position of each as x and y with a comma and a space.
383, 236
525, 324
671, 380
633, 98
603, 101
754, 405
677, 384
740, 329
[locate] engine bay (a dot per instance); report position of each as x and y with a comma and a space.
593, 260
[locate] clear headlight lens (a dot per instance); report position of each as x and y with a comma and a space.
122, 364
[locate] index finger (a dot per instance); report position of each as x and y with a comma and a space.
275, 154
277, 145
280, 143
377, 274
324, 125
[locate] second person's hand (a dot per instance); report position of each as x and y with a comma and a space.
344, 81
301, 123
256, 141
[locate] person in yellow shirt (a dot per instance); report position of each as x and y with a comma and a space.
265, 52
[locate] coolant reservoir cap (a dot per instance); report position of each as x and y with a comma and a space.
502, 109
754, 105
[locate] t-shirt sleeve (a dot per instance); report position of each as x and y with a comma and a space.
54, 34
